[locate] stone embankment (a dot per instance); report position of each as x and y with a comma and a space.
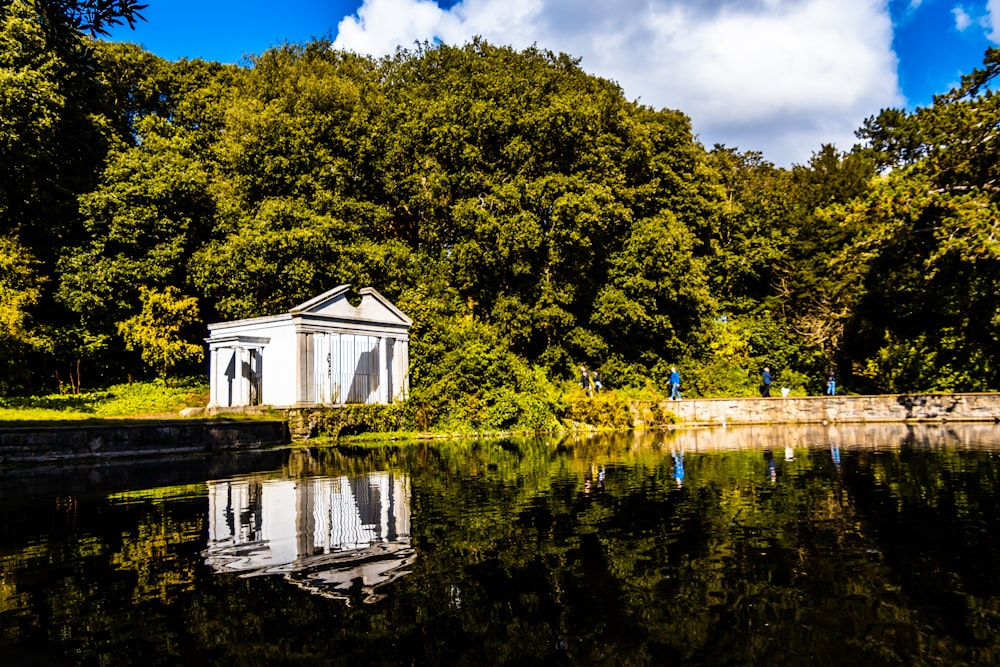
69, 441
979, 407
82, 441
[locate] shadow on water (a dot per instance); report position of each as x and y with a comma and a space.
120, 475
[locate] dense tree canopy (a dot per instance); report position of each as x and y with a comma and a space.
524, 211
928, 313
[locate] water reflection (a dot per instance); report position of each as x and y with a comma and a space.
742, 546
678, 457
593, 478
330, 535
827, 436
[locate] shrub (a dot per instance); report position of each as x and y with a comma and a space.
605, 410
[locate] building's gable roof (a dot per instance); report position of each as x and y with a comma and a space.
336, 304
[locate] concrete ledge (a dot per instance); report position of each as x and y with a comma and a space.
69, 441
981, 407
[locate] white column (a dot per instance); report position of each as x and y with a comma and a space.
241, 379
383, 371
304, 368
399, 369
404, 360
213, 376
336, 382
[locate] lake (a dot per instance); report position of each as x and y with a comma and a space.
874, 545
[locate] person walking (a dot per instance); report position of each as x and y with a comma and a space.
831, 383
597, 381
585, 380
765, 387
675, 384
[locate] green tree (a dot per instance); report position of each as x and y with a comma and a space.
745, 234
816, 287
20, 289
31, 108
88, 16
928, 315
657, 293
157, 332
152, 210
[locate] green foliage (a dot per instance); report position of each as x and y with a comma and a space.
927, 314
523, 212
605, 410
353, 419
744, 237
89, 16
657, 292
31, 102
156, 330
150, 212
20, 289
727, 369
618, 372
477, 384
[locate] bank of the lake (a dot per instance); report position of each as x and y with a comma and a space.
253, 430
150, 438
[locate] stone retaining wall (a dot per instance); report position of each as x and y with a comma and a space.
67, 442
830, 409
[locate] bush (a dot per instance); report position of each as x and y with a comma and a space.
605, 410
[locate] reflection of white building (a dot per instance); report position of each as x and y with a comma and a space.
326, 534
326, 351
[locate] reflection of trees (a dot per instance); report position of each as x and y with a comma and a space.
729, 568
80, 586
948, 569
517, 564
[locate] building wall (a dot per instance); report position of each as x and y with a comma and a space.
348, 369
275, 366
278, 366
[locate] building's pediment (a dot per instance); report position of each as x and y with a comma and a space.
336, 303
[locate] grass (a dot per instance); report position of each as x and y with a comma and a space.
137, 400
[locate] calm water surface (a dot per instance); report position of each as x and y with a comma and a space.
754, 546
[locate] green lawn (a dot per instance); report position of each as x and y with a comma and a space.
134, 400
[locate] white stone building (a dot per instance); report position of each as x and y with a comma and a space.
325, 351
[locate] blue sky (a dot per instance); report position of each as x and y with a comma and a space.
933, 51
779, 76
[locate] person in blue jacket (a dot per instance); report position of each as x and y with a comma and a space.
675, 384
765, 387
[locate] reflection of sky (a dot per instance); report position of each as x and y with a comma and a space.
323, 532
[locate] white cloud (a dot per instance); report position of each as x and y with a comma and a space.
962, 18
993, 14
780, 76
